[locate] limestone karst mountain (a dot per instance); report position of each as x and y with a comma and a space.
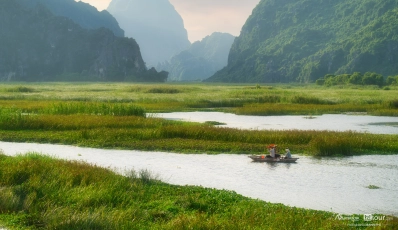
303, 40
201, 60
36, 45
84, 14
154, 24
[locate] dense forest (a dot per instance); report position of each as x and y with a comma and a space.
303, 40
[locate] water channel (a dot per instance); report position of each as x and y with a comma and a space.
331, 184
332, 122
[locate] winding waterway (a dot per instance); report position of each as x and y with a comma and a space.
332, 122
332, 184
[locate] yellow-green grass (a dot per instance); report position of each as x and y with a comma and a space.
135, 132
38, 192
104, 115
287, 99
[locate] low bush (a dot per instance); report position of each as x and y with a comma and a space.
21, 89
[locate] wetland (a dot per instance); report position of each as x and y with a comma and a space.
345, 138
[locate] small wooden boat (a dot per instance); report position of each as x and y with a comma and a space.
262, 158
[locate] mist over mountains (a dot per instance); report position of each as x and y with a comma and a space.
302, 40
201, 60
155, 25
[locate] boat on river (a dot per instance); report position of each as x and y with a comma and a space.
262, 158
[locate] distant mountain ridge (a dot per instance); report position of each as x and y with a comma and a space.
302, 40
36, 45
156, 26
201, 60
84, 14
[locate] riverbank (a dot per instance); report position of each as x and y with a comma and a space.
42, 192
150, 134
113, 115
366, 181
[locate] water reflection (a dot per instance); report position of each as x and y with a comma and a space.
331, 184
332, 122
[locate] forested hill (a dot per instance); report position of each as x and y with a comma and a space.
84, 14
302, 40
36, 45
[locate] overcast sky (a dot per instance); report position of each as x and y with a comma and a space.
203, 17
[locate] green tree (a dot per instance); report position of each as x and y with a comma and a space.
392, 80
371, 78
356, 78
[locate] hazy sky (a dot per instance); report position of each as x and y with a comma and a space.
203, 17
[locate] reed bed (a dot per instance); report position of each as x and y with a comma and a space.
136, 132
119, 120
114, 109
38, 192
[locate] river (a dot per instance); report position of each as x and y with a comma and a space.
332, 122
331, 184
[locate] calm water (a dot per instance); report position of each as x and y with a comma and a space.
336, 122
331, 184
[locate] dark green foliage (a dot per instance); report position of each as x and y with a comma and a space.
369, 78
373, 79
36, 45
166, 90
302, 40
320, 81
394, 104
82, 13
310, 100
21, 89
392, 80
356, 78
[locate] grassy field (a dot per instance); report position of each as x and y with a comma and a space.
110, 115
38, 192
241, 99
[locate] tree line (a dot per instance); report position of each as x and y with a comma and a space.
357, 78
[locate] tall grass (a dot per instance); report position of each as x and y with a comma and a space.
38, 192
132, 132
250, 100
114, 109
20, 89
310, 100
393, 104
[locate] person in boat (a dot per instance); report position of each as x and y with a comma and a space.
273, 152
288, 154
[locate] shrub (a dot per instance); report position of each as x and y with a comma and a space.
392, 80
371, 78
269, 99
165, 90
309, 100
21, 89
393, 104
320, 81
356, 78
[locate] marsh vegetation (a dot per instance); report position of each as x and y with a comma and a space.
41, 192
112, 115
